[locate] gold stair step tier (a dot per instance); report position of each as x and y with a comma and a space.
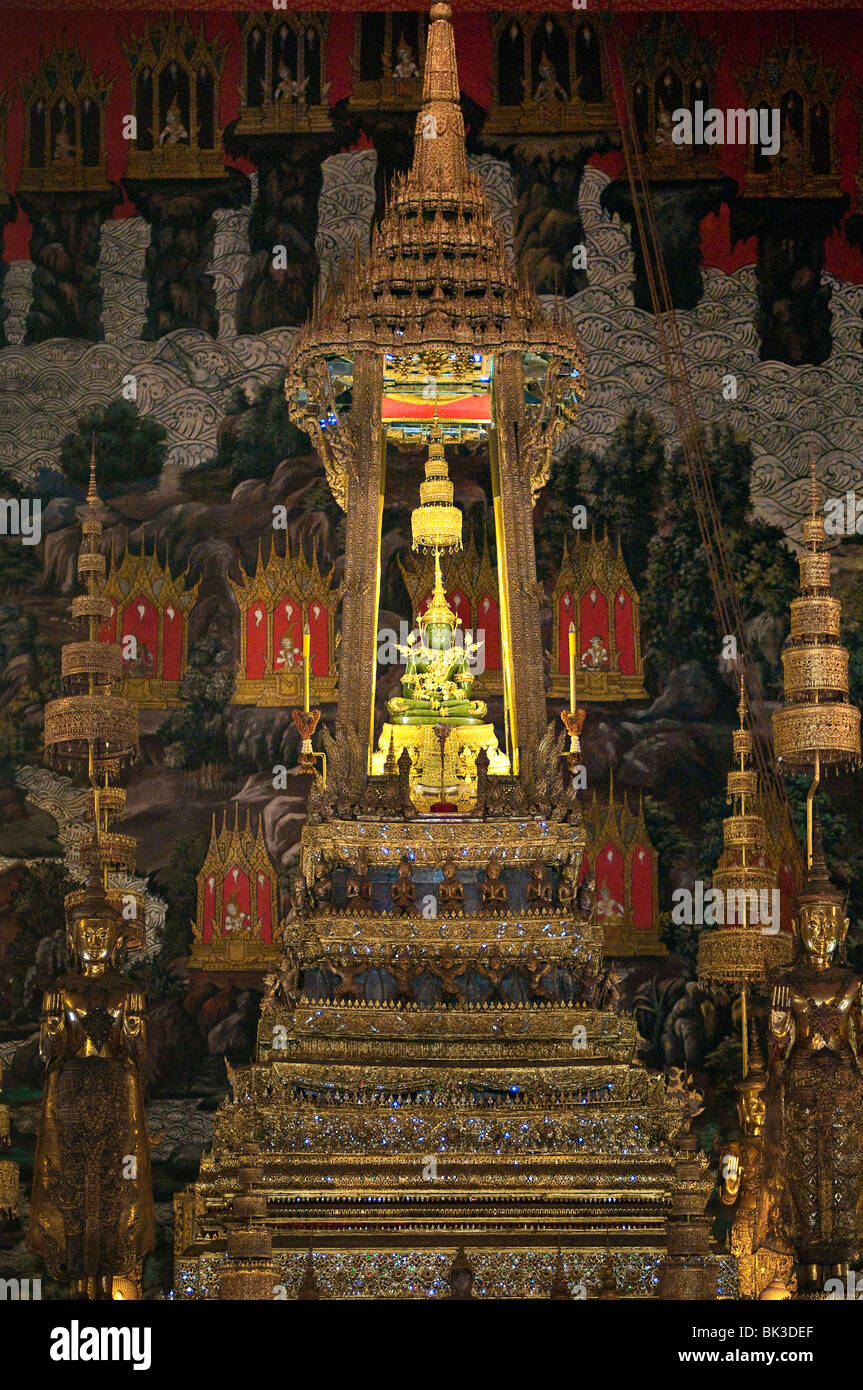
412, 1041
831, 730
474, 935
428, 840
740, 955
77, 724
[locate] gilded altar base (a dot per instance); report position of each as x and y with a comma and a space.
459, 760
386, 1145
395, 1129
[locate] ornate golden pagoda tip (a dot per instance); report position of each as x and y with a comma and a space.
813, 486
92, 494
741, 704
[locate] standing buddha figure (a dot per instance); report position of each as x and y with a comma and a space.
812, 1189
92, 1206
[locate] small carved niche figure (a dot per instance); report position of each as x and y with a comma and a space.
445, 968
587, 896
359, 885
402, 891
538, 888
461, 1277
493, 969
349, 967
567, 887
298, 896
401, 967
450, 893
322, 889
283, 985
493, 888
535, 971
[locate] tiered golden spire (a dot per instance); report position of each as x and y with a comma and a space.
436, 524
818, 727
438, 289
742, 950
90, 726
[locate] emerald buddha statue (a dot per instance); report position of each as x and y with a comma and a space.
437, 681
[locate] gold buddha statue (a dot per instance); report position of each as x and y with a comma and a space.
91, 1214
811, 1201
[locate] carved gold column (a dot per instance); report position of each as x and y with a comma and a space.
360, 588
519, 589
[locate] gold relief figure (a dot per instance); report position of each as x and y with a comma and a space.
322, 888
812, 1189
567, 887
174, 133
402, 891
538, 888
446, 967
461, 1277
587, 895
359, 885
493, 969
402, 969
493, 888
536, 969
283, 985
91, 1214
348, 968
759, 1268
450, 893
298, 897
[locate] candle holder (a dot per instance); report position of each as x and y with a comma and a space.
307, 721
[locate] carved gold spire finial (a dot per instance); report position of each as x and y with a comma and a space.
747, 941
92, 494
813, 487
818, 727
90, 726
